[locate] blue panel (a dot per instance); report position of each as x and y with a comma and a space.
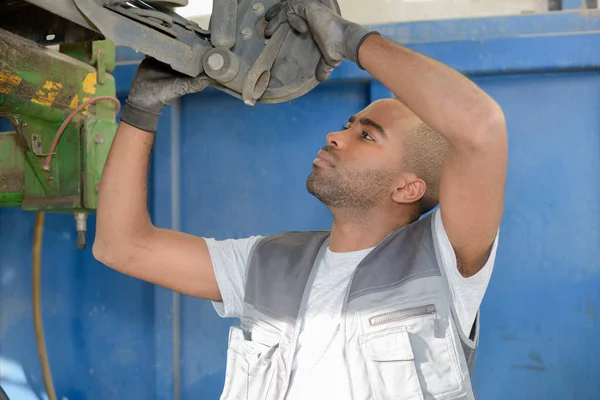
540, 324
98, 323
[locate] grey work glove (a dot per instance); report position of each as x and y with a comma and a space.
154, 87
337, 38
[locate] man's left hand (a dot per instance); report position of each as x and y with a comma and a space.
337, 38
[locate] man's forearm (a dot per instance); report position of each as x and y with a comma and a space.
440, 96
122, 205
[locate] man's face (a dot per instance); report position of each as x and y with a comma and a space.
360, 163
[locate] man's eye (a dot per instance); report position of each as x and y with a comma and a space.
367, 136
345, 127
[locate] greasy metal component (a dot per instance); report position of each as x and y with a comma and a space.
225, 65
292, 72
171, 3
223, 23
259, 75
42, 26
153, 28
147, 17
66, 10
183, 54
39, 87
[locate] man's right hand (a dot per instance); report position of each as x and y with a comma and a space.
154, 87
337, 38
126, 240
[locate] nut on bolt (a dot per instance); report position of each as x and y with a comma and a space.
258, 8
216, 61
246, 33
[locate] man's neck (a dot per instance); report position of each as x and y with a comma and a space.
353, 231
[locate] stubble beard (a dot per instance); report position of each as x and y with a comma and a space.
341, 188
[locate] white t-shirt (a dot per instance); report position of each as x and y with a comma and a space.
318, 370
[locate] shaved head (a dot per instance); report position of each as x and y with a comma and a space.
424, 154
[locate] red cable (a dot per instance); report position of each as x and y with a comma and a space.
46, 166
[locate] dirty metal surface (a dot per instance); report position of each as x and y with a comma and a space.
43, 26
64, 8
41, 82
39, 87
97, 139
183, 54
12, 166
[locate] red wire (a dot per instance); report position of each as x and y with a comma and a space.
46, 166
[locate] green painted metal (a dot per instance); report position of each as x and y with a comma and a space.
11, 173
39, 88
98, 138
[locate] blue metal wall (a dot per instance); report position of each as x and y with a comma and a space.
221, 169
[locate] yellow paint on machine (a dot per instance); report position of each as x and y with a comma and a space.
46, 97
74, 102
8, 81
89, 83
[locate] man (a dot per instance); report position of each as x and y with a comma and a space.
384, 305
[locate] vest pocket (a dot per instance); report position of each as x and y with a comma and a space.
250, 367
391, 365
432, 343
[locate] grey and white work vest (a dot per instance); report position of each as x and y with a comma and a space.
402, 336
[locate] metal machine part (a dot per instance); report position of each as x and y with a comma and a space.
39, 88
63, 127
273, 70
234, 52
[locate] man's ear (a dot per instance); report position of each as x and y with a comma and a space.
408, 189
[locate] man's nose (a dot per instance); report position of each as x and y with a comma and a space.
336, 140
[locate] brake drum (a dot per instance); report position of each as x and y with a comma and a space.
272, 70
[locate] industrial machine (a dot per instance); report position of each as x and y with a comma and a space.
61, 102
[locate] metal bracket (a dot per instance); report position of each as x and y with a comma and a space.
259, 75
36, 145
183, 54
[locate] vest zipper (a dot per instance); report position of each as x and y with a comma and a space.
407, 313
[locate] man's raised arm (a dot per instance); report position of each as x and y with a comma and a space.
126, 240
474, 173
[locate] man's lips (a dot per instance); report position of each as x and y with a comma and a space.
323, 159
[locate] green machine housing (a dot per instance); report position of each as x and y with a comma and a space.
39, 88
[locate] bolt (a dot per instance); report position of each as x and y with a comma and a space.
97, 186
258, 8
216, 61
46, 168
246, 33
98, 138
23, 123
